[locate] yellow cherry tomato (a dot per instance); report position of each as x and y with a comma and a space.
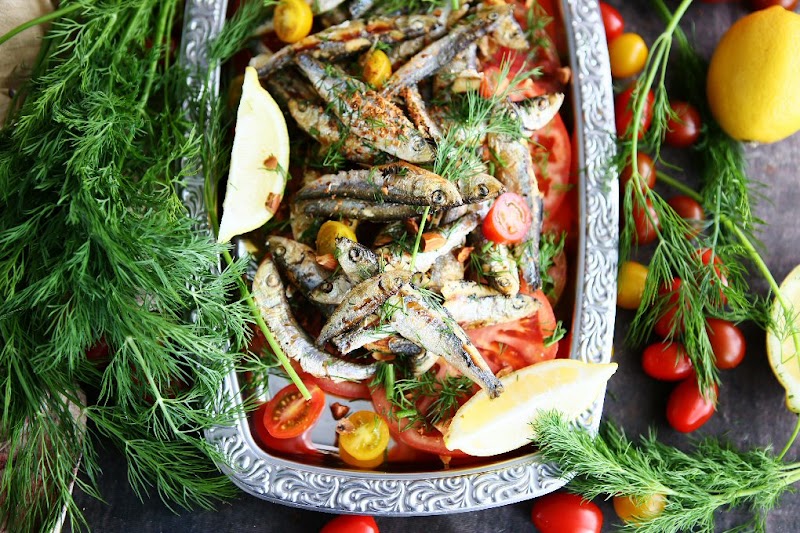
368, 438
292, 20
630, 284
352, 461
329, 232
376, 67
628, 54
633, 510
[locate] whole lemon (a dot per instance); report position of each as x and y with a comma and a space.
753, 83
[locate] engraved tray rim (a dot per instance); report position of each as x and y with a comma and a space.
507, 481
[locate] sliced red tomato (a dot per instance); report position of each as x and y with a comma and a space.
552, 158
491, 83
289, 415
519, 343
508, 219
352, 390
300, 445
411, 435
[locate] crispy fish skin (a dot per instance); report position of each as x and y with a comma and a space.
441, 52
401, 183
515, 170
375, 337
445, 269
325, 127
498, 266
358, 262
477, 312
363, 300
418, 112
351, 37
270, 298
438, 333
356, 209
465, 289
534, 113
369, 115
455, 235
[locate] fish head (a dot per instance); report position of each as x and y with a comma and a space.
508, 32
481, 187
534, 113
286, 250
416, 149
414, 26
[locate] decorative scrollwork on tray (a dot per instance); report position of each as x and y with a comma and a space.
436, 492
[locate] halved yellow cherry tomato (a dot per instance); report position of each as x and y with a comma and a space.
292, 20
329, 232
627, 54
352, 461
633, 510
368, 438
376, 67
630, 284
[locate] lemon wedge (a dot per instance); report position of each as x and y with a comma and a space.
259, 162
485, 426
783, 357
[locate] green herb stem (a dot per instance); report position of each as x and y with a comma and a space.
273, 344
791, 440
53, 15
419, 236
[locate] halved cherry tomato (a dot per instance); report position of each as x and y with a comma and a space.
627, 55
684, 130
300, 445
410, 434
551, 152
367, 464
690, 210
289, 415
666, 361
508, 219
491, 84
630, 287
666, 326
624, 113
647, 172
687, 409
352, 390
561, 512
520, 343
351, 524
367, 439
633, 510
727, 343
613, 22
644, 230
292, 20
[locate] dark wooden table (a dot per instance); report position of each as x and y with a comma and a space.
751, 410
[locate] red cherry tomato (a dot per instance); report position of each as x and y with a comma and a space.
508, 219
351, 524
99, 351
666, 361
288, 415
690, 210
645, 231
684, 130
727, 343
295, 446
687, 409
757, 5
666, 323
562, 512
624, 112
613, 22
519, 343
647, 172
551, 152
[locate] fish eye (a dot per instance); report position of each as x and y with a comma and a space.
503, 282
273, 280
438, 197
483, 190
279, 251
416, 25
326, 287
494, 15
541, 104
518, 304
355, 254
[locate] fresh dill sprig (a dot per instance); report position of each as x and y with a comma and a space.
392, 7
714, 476
551, 246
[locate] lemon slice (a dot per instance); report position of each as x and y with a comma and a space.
484, 426
259, 162
783, 357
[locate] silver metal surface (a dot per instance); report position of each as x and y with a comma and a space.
505, 481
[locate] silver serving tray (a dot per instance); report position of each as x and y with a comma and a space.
494, 483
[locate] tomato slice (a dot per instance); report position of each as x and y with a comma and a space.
519, 343
411, 435
352, 390
508, 220
367, 439
300, 445
552, 158
288, 415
